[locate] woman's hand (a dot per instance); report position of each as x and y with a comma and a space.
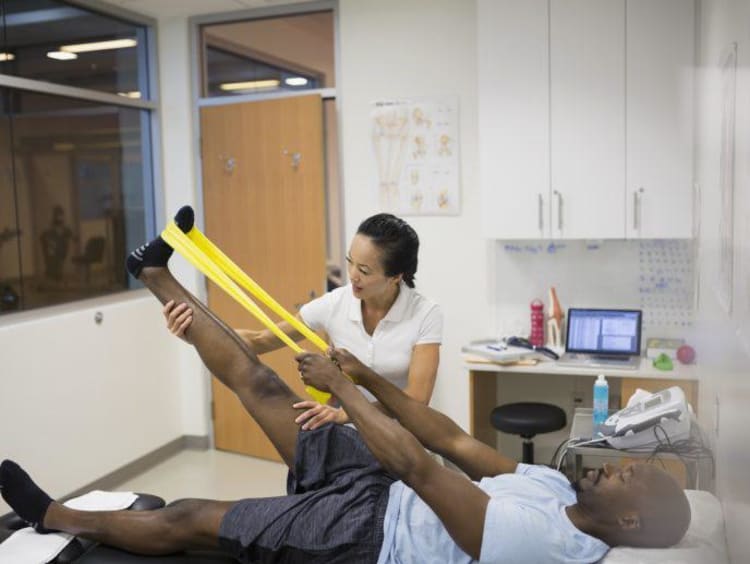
316, 415
349, 364
179, 317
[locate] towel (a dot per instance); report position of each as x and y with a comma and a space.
26, 546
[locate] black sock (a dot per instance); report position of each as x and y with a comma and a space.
157, 252
26, 498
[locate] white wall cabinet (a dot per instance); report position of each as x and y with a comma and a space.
660, 62
513, 105
585, 118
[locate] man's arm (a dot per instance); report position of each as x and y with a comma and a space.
460, 504
422, 372
433, 429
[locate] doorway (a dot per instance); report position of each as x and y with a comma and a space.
263, 203
270, 178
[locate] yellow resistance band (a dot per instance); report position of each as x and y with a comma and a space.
184, 244
238, 275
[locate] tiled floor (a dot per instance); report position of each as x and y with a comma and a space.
210, 474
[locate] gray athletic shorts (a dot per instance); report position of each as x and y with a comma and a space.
338, 493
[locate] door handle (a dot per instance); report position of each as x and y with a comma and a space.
296, 157
559, 209
637, 208
229, 163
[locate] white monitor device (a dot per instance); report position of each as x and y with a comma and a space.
633, 426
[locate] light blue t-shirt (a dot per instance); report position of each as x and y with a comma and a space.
525, 522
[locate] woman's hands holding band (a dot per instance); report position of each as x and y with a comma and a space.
316, 415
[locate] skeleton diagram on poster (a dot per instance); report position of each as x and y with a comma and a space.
415, 144
725, 273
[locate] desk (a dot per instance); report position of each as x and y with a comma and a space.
484, 381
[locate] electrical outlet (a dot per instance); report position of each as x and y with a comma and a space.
576, 399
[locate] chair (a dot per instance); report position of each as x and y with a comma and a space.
528, 419
93, 253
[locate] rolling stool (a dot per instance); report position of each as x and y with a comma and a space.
528, 419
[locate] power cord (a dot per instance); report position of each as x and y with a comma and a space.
687, 450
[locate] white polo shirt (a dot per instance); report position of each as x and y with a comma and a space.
412, 320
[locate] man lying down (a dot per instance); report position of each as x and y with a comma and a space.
370, 494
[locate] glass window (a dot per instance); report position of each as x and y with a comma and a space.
80, 193
76, 181
10, 254
64, 44
284, 53
230, 73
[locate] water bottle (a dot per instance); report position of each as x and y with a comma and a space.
536, 336
601, 404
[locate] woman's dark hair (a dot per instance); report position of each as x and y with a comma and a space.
398, 242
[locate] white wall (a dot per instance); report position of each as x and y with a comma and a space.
79, 399
415, 48
724, 340
180, 154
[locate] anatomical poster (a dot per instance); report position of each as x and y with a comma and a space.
415, 145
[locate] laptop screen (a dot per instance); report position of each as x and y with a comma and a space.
604, 331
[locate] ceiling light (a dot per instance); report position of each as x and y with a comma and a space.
6, 57
296, 81
62, 55
250, 85
99, 46
132, 94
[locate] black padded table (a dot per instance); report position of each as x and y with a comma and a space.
81, 551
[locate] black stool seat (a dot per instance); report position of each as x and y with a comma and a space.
528, 419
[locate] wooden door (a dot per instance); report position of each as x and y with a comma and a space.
265, 209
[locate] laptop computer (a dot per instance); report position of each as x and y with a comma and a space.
603, 338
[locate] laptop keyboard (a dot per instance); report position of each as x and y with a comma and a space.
587, 361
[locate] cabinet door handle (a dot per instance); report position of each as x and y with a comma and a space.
637, 207
559, 209
541, 213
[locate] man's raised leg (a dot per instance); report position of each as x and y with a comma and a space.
264, 395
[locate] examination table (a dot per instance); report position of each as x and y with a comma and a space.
704, 542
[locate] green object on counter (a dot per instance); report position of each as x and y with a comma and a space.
663, 362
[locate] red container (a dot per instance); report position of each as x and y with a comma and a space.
536, 337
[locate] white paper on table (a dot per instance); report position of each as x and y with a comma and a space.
26, 546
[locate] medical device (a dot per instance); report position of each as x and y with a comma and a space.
634, 427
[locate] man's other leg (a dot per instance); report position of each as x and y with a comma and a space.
191, 524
